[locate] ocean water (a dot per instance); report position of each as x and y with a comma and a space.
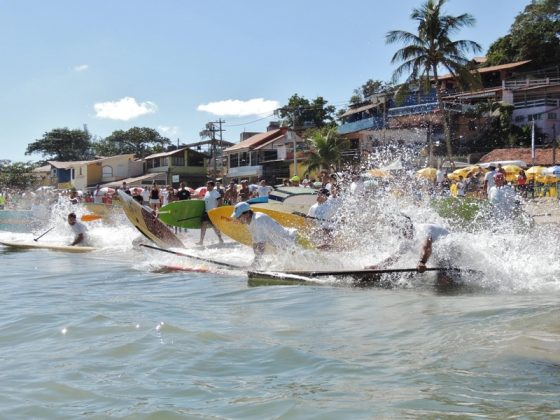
108, 335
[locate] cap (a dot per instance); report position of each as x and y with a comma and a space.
240, 208
295, 178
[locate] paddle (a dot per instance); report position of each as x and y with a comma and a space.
40, 236
194, 257
90, 217
368, 271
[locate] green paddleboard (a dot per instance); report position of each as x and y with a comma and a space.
184, 213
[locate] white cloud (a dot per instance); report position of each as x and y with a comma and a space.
235, 107
81, 67
168, 131
124, 109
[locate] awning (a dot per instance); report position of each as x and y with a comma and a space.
353, 111
136, 181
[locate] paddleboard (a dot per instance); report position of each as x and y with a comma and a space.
149, 225
184, 213
239, 232
51, 247
359, 278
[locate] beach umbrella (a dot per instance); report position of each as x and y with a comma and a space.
547, 179
553, 170
534, 171
511, 172
428, 173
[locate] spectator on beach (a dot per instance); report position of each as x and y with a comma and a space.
230, 196
522, 183
263, 190
503, 197
488, 180
294, 181
98, 195
155, 199
461, 187
183, 193
244, 192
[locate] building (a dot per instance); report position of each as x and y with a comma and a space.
381, 121
87, 174
274, 155
178, 165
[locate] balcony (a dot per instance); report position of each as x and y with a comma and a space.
372, 123
402, 111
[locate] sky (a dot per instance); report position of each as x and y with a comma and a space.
174, 65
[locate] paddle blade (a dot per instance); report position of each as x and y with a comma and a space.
90, 217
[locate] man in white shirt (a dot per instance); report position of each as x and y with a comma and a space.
264, 230
503, 197
263, 190
212, 199
413, 237
79, 230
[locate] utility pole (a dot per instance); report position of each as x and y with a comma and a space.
554, 144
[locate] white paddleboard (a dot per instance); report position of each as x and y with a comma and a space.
52, 247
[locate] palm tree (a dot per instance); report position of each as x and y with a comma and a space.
326, 149
431, 49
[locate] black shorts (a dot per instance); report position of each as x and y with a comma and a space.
205, 218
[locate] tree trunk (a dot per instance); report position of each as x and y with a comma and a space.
446, 130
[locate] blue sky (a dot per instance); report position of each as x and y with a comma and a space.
175, 65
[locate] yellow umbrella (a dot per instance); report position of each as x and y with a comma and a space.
428, 173
511, 172
534, 171
453, 176
547, 179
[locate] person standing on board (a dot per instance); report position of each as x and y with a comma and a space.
212, 199
79, 230
420, 236
264, 230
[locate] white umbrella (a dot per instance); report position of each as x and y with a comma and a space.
553, 170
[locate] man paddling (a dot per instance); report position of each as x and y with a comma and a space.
414, 236
79, 230
264, 230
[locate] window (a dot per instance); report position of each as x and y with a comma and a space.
519, 118
552, 116
178, 161
534, 117
234, 160
81, 171
107, 171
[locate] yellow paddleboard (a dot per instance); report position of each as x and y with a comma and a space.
148, 224
239, 232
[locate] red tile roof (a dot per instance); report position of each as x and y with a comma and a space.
543, 157
257, 139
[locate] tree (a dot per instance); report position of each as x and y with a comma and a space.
431, 48
63, 144
326, 147
141, 141
16, 175
534, 35
300, 113
368, 89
